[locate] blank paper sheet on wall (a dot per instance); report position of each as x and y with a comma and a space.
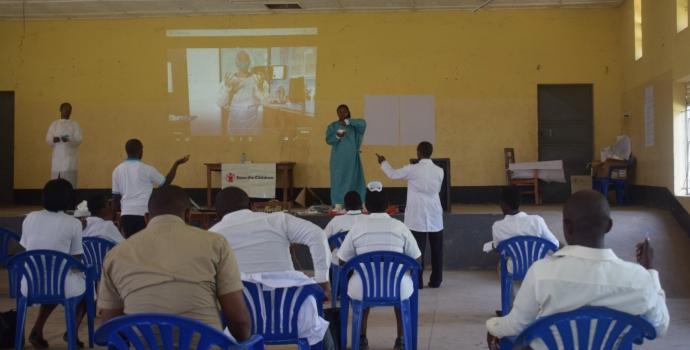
399, 120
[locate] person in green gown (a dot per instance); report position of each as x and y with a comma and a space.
345, 138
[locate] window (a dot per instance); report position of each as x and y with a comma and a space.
681, 15
638, 28
686, 114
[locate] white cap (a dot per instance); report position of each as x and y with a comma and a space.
375, 186
82, 210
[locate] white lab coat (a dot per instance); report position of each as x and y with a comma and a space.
64, 163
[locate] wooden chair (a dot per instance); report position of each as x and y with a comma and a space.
529, 186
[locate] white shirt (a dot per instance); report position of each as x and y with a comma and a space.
341, 223
54, 231
522, 224
64, 153
378, 232
97, 227
261, 241
577, 276
423, 211
134, 180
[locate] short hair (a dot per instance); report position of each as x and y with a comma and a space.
169, 199
133, 147
346, 108
425, 149
353, 201
65, 104
377, 202
511, 197
96, 203
231, 199
58, 195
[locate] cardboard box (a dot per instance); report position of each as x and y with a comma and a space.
616, 169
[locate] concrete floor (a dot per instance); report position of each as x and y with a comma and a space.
453, 316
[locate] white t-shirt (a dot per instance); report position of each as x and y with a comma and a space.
341, 223
97, 227
522, 224
55, 231
133, 180
378, 232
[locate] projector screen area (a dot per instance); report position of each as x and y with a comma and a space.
242, 91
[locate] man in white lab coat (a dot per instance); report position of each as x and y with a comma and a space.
64, 135
423, 211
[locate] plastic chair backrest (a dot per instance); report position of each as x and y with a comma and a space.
95, 249
5, 237
600, 327
274, 311
45, 272
523, 251
337, 239
381, 273
162, 331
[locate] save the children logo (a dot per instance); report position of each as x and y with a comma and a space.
230, 177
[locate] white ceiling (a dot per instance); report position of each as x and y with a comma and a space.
17, 9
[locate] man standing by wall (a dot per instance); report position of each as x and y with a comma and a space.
64, 135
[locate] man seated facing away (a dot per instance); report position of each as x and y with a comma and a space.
343, 223
261, 242
132, 185
585, 273
171, 267
100, 223
378, 232
518, 223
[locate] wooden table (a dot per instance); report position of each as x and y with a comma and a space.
284, 181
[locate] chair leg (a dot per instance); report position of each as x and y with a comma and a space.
408, 331
90, 317
357, 311
21, 320
70, 306
506, 288
334, 287
344, 310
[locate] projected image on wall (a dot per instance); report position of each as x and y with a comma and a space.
230, 91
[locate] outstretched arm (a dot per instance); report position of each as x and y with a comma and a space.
173, 170
394, 174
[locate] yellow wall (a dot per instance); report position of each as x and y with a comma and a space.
664, 65
482, 68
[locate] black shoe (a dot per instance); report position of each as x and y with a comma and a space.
37, 342
80, 344
499, 313
433, 285
363, 343
399, 344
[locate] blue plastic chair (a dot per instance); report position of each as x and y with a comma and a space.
274, 312
334, 242
381, 273
612, 330
45, 272
95, 249
159, 331
6, 236
523, 251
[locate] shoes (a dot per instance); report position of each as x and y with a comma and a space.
363, 343
499, 313
433, 285
80, 344
399, 344
37, 342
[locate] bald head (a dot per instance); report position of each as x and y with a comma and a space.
169, 200
586, 219
231, 199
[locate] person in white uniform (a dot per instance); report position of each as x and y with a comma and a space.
52, 229
261, 242
423, 210
99, 223
378, 232
64, 135
518, 223
595, 276
343, 223
133, 183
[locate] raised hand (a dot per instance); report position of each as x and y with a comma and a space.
182, 160
380, 158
